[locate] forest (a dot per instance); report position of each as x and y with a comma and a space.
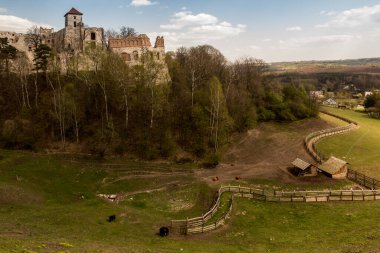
96, 104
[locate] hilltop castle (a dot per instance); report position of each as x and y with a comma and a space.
75, 37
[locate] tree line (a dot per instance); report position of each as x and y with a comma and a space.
95, 103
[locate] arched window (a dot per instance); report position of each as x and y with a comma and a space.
158, 56
75, 24
126, 56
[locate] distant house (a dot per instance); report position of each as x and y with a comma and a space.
316, 94
334, 168
368, 93
302, 168
330, 102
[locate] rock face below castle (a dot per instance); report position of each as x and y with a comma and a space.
75, 37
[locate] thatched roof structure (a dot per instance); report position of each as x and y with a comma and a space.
300, 164
333, 165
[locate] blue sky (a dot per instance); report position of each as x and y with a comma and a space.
273, 30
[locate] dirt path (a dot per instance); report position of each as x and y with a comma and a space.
266, 152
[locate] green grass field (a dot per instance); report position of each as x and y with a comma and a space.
360, 148
49, 204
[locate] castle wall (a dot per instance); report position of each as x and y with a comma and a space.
131, 47
18, 41
93, 36
74, 38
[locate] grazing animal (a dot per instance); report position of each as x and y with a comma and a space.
237, 178
164, 231
111, 218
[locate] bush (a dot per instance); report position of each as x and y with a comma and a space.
211, 161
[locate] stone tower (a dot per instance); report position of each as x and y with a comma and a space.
73, 30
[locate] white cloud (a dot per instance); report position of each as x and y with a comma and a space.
188, 29
267, 40
353, 18
186, 18
3, 10
139, 3
17, 24
294, 29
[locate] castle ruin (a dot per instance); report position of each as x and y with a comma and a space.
75, 37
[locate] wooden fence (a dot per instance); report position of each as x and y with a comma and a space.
311, 140
363, 180
200, 224
202, 228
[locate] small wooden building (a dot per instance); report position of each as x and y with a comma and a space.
334, 168
304, 169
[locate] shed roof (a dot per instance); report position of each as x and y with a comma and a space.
332, 165
301, 164
73, 11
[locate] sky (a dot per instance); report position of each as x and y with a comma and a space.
272, 30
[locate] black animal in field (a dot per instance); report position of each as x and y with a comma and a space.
111, 218
164, 231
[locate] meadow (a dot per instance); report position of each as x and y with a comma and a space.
360, 148
49, 203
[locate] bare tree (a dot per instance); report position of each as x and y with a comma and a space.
152, 71
23, 71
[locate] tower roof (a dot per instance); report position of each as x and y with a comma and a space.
73, 11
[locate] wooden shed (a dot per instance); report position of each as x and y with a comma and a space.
334, 168
302, 168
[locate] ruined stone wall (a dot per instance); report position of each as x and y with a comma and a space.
59, 40
93, 36
131, 48
18, 41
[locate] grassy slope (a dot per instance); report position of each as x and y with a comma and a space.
42, 210
360, 148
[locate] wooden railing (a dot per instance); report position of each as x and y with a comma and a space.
363, 180
200, 225
311, 140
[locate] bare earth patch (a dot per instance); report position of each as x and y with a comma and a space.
266, 152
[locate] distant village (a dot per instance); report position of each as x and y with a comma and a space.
347, 97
